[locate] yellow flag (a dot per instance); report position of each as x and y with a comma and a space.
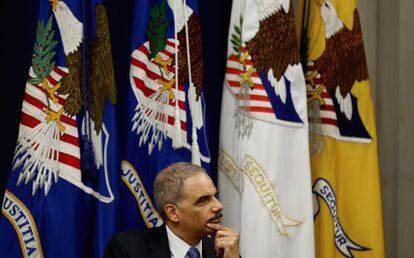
343, 139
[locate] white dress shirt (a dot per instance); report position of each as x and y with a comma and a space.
179, 248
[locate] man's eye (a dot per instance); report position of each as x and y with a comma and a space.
202, 200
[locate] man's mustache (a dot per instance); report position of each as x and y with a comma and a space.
218, 216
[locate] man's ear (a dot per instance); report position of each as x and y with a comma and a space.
172, 212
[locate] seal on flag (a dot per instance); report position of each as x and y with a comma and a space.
264, 69
330, 78
166, 77
49, 144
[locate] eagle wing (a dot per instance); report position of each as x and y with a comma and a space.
343, 61
196, 54
275, 44
72, 83
362, 71
101, 71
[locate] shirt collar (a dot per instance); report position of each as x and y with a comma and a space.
178, 247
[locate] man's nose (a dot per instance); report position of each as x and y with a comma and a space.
217, 205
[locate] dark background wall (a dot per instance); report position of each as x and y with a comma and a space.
18, 21
18, 30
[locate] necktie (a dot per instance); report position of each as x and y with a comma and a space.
193, 252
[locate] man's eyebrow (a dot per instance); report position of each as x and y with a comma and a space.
202, 198
206, 196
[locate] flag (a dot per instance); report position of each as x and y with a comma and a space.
264, 170
343, 140
61, 198
165, 109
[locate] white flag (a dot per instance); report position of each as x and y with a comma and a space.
264, 170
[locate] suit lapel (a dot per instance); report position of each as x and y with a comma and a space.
158, 246
208, 248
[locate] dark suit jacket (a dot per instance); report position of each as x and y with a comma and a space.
148, 243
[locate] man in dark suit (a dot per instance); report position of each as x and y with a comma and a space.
187, 201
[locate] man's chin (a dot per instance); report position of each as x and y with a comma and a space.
210, 231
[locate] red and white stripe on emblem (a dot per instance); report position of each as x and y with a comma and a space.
144, 75
329, 121
33, 114
257, 102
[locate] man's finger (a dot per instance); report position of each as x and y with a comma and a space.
228, 240
217, 226
224, 233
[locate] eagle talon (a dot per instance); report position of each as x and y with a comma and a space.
311, 77
246, 78
243, 58
51, 90
167, 86
55, 116
163, 63
317, 95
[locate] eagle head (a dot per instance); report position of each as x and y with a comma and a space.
330, 18
267, 8
178, 8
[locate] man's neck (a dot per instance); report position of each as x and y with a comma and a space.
192, 240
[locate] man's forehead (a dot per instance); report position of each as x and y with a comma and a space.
198, 185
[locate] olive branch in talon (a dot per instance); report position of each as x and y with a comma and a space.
42, 59
244, 124
242, 54
149, 121
236, 38
37, 150
157, 35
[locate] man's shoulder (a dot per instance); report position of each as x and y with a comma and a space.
135, 234
138, 235
132, 242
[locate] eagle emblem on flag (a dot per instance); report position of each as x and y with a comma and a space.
264, 69
49, 143
166, 76
333, 107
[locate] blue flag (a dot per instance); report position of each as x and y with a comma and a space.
165, 121
62, 196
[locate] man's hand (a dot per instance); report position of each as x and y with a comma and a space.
226, 242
